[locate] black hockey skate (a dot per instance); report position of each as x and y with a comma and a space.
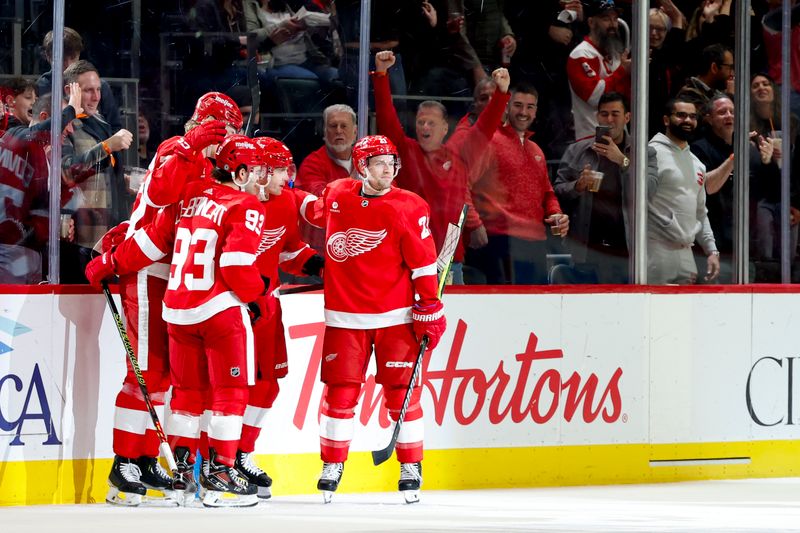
224, 486
245, 465
154, 477
329, 479
124, 487
410, 481
184, 483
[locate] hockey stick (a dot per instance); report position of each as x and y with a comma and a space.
443, 263
164, 446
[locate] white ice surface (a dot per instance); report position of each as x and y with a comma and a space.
706, 506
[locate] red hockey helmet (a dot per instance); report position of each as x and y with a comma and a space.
276, 154
221, 107
238, 150
370, 146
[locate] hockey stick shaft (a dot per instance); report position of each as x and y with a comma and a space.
380, 456
164, 444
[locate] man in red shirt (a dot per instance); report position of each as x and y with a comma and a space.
432, 169
381, 294
331, 162
280, 246
212, 276
515, 199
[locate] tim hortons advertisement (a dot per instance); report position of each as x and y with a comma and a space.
513, 370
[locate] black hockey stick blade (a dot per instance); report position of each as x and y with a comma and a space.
380, 456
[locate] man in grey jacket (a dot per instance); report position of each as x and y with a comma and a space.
600, 241
677, 214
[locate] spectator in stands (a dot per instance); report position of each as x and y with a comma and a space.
711, 23
480, 99
547, 31
89, 160
24, 215
716, 69
296, 57
403, 27
667, 54
714, 149
19, 99
601, 218
598, 65
432, 169
331, 162
515, 200
765, 120
677, 214
73, 46
771, 26
488, 31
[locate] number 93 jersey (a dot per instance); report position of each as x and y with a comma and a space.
213, 234
379, 254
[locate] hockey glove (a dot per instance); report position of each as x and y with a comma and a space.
255, 312
314, 265
114, 237
100, 268
429, 321
199, 137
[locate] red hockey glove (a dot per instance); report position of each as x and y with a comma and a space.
100, 268
114, 237
429, 321
199, 137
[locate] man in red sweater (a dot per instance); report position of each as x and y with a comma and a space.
432, 169
515, 199
331, 162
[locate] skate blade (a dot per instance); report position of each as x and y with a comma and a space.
264, 493
411, 496
215, 498
327, 496
125, 499
161, 498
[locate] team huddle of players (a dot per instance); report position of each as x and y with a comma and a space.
198, 265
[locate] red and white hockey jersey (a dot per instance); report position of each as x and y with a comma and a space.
590, 76
280, 244
166, 176
213, 234
379, 254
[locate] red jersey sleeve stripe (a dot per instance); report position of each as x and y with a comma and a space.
147, 246
236, 259
427, 270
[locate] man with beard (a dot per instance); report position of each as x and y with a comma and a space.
598, 65
717, 63
677, 214
515, 200
329, 163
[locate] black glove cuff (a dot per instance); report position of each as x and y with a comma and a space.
314, 264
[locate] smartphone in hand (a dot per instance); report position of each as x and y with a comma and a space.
600, 132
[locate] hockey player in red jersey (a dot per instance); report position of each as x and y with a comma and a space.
280, 246
380, 293
178, 160
212, 275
